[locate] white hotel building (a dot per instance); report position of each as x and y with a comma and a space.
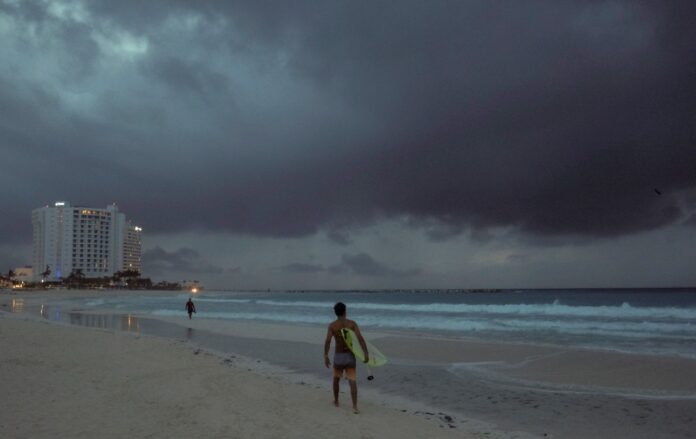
99, 242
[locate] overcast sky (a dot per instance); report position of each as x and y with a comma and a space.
322, 144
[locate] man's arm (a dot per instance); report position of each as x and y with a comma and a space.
327, 346
361, 340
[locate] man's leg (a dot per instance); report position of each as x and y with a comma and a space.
354, 394
336, 387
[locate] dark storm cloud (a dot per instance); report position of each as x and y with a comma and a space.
362, 264
339, 237
185, 76
302, 268
285, 118
183, 260
515, 258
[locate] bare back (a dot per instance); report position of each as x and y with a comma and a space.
335, 331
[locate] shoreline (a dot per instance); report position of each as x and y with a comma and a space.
501, 388
520, 360
625, 342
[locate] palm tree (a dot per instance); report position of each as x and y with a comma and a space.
10, 274
75, 277
130, 277
79, 275
130, 273
46, 273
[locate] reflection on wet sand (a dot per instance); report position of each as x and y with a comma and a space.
106, 321
132, 323
118, 322
51, 313
17, 305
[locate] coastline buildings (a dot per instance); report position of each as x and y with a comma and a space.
132, 245
23, 274
97, 242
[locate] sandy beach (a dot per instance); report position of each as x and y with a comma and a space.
78, 374
63, 381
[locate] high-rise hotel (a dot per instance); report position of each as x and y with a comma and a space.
99, 242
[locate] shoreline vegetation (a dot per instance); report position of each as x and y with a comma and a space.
146, 284
133, 280
121, 280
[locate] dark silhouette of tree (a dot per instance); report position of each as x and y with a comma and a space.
131, 278
10, 273
76, 277
125, 274
131, 273
46, 272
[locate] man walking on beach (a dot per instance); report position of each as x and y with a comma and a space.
190, 307
344, 360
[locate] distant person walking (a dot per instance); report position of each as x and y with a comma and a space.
344, 360
190, 307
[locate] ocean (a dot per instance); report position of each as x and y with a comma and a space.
651, 321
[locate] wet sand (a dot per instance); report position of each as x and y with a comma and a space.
511, 389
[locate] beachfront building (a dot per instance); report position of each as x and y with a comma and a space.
131, 248
93, 241
5, 282
23, 274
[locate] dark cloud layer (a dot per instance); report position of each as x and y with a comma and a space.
301, 268
282, 118
184, 260
360, 264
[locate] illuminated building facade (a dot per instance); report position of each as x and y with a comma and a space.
98, 242
132, 244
